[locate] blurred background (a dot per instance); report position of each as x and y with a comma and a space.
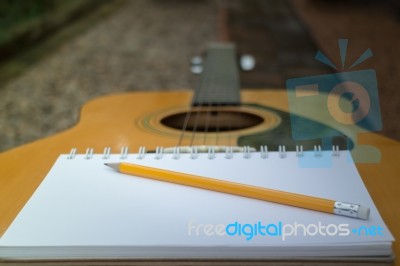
57, 55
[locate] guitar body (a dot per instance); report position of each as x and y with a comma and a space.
122, 120
135, 119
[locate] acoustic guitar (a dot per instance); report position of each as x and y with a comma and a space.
215, 115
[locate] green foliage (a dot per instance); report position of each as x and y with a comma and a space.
13, 12
16, 16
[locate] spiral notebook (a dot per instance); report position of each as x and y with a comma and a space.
83, 209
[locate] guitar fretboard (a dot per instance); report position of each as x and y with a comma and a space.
219, 83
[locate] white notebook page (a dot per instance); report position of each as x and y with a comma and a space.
83, 203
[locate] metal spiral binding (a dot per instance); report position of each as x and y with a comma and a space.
299, 151
335, 151
246, 152
106, 153
124, 152
176, 153
141, 153
72, 154
282, 151
317, 151
193, 153
89, 154
264, 151
228, 152
159, 153
211, 153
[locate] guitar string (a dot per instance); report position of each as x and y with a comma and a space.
209, 106
184, 126
218, 109
228, 130
199, 91
217, 114
206, 124
223, 33
235, 122
229, 85
207, 82
222, 30
216, 89
211, 87
209, 74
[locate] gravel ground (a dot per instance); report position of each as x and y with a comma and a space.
144, 45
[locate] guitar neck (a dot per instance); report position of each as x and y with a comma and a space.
219, 83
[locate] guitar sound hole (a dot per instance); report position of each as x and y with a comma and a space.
212, 121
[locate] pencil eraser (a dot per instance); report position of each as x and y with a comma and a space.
363, 212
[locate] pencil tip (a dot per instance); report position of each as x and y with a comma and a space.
114, 166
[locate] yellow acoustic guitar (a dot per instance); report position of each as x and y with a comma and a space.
216, 114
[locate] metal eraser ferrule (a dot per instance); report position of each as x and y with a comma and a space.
351, 210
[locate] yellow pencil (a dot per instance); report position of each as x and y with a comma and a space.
277, 196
